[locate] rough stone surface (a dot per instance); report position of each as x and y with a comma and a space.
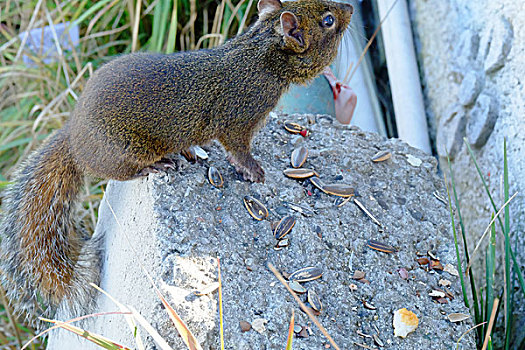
481, 120
470, 88
465, 50
499, 45
451, 131
190, 223
440, 50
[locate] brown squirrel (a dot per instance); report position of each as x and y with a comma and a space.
133, 112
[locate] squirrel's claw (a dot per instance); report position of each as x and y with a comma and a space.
162, 165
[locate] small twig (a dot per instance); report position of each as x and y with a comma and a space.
70, 321
303, 307
491, 323
220, 304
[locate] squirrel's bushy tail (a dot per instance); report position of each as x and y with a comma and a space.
45, 256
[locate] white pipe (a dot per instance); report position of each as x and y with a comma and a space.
403, 73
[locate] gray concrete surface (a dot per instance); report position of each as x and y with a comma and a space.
471, 57
178, 224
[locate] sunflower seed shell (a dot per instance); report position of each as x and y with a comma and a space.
284, 227
381, 156
215, 177
292, 127
299, 157
340, 190
314, 300
297, 287
256, 209
306, 274
301, 173
382, 247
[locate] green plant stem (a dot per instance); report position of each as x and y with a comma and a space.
172, 34
477, 315
490, 268
508, 266
505, 233
458, 257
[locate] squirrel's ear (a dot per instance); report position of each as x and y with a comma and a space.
268, 6
289, 26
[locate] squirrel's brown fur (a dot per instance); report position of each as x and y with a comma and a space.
141, 107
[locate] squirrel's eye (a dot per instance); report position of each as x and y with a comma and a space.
328, 21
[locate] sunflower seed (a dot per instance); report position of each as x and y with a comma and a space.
369, 306
299, 157
458, 317
382, 247
314, 300
340, 190
284, 227
317, 183
297, 287
256, 209
381, 156
293, 128
199, 152
306, 274
215, 177
283, 243
301, 173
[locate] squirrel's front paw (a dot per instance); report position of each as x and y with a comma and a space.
249, 169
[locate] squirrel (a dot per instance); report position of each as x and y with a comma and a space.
135, 111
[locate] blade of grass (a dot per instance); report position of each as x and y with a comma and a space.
490, 268
494, 217
467, 332
220, 304
458, 257
477, 315
166, 4
92, 337
505, 233
67, 322
245, 17
172, 34
129, 318
290, 332
508, 266
151, 331
136, 23
157, 13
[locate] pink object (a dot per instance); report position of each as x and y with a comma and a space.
345, 98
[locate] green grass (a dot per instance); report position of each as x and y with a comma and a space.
499, 281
